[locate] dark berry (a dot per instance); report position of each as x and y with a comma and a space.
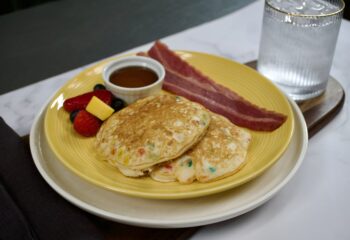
117, 104
99, 87
72, 115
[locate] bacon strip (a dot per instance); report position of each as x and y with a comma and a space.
258, 124
239, 104
183, 79
182, 69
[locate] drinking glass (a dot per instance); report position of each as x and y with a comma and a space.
297, 44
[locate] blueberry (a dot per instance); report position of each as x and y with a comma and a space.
117, 104
99, 87
73, 114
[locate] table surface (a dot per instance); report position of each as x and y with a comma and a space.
314, 204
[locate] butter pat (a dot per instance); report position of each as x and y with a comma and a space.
99, 109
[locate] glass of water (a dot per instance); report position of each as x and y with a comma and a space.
297, 44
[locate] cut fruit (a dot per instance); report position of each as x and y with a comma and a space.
99, 109
86, 124
80, 102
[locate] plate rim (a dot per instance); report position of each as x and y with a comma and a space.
162, 223
185, 195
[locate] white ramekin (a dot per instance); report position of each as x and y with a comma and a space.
130, 95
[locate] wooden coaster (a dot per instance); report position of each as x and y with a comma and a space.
321, 110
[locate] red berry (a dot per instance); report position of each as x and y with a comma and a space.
80, 102
86, 124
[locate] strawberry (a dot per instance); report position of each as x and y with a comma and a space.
86, 124
80, 102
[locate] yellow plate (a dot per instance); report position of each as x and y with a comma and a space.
77, 153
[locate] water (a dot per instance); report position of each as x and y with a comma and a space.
308, 7
297, 52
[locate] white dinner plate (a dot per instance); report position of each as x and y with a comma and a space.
167, 213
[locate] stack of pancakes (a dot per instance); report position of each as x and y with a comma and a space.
172, 139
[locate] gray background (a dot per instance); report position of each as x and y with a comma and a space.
51, 38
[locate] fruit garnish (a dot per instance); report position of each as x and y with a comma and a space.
99, 86
99, 109
86, 124
80, 102
117, 104
73, 114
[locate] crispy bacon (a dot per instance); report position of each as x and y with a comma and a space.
183, 79
239, 104
258, 124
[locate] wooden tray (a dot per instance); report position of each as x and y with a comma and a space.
317, 112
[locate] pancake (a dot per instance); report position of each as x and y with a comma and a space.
164, 172
180, 169
150, 131
220, 153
